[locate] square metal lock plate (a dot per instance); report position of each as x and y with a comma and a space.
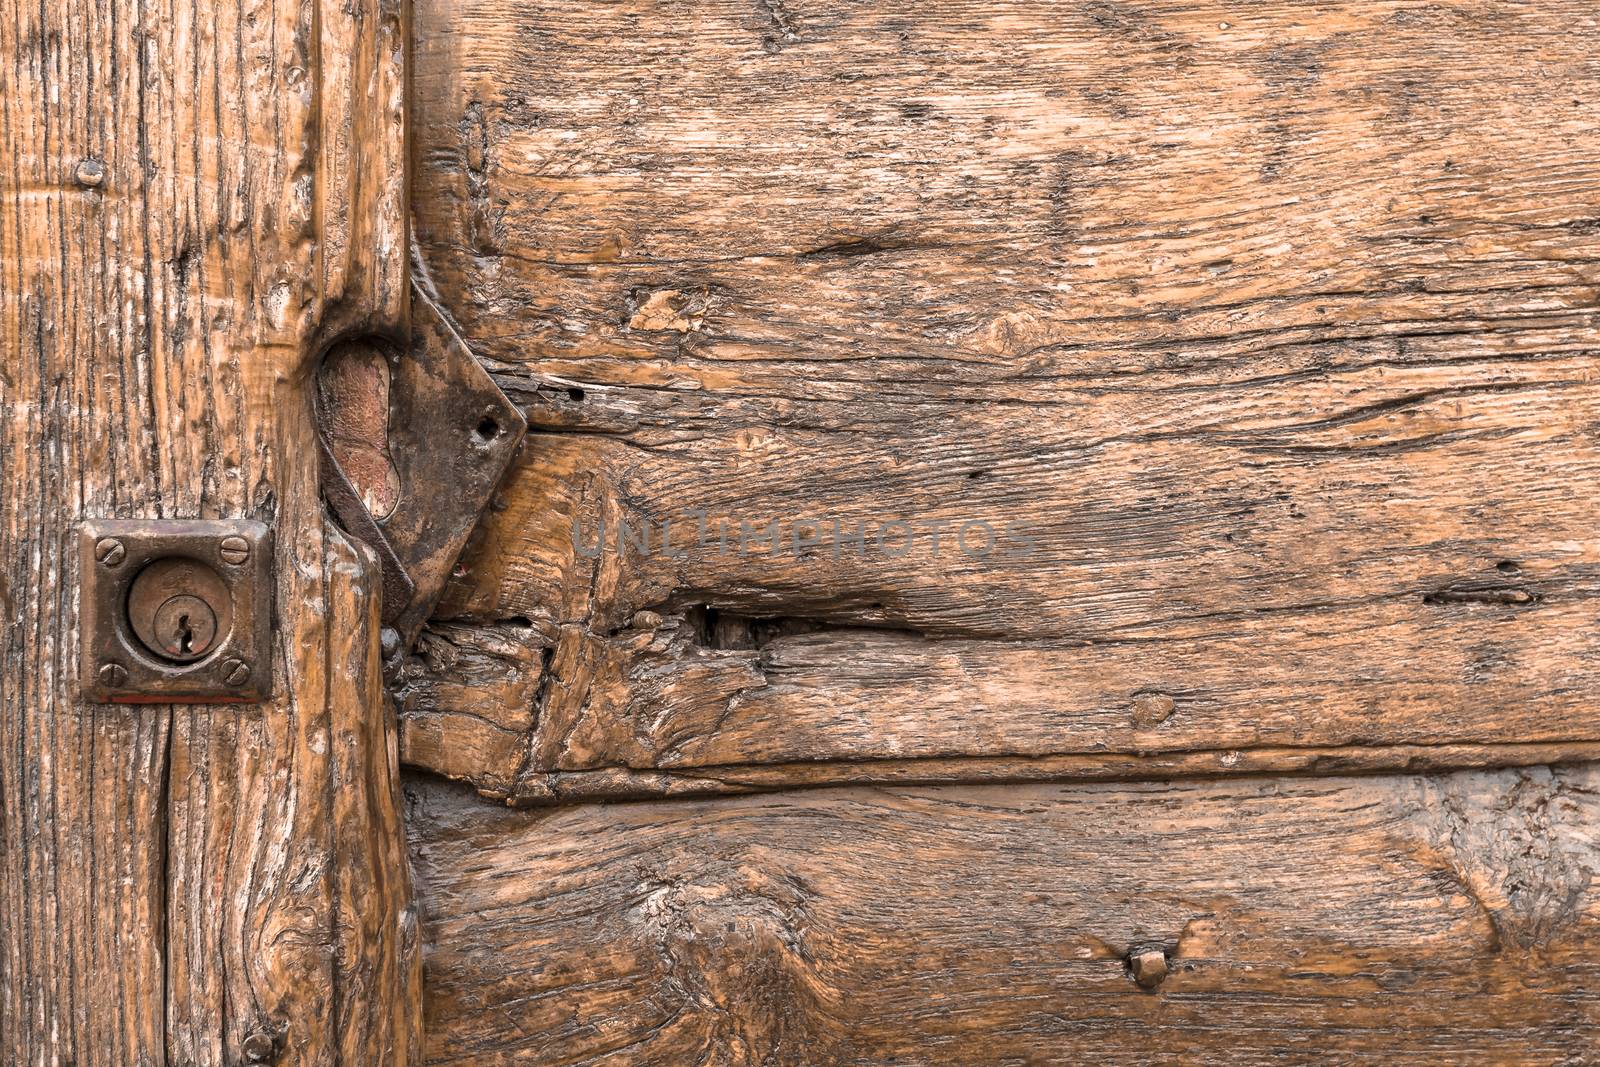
175, 610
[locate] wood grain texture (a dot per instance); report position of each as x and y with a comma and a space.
1272, 331
983, 925
195, 199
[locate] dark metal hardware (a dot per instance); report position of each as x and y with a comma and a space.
176, 610
259, 1047
412, 443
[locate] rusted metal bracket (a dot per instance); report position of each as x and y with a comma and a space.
413, 442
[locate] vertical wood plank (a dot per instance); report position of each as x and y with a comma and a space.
88, 295
195, 200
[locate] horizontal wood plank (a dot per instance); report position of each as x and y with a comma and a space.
1232, 373
1459, 923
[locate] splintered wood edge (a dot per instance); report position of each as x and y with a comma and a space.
625, 783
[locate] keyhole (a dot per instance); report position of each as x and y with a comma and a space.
184, 628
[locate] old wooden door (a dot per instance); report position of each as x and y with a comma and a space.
1049, 531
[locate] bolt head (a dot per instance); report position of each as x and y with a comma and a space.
236, 672
258, 1047
1148, 967
113, 675
90, 174
109, 551
234, 550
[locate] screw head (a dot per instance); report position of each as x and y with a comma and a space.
258, 1047
90, 174
236, 672
113, 675
234, 550
110, 551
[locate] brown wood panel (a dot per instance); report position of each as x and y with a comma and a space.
1449, 919
194, 199
1269, 332
82, 811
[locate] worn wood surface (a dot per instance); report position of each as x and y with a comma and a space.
194, 199
1269, 333
1458, 924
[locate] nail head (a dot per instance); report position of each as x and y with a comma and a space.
90, 174
258, 1047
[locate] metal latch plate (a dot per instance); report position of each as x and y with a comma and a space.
413, 442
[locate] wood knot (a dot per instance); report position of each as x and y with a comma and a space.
668, 309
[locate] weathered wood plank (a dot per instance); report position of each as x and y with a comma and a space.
195, 199
982, 925
82, 431
289, 886
1261, 341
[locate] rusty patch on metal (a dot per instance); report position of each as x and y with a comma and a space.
353, 399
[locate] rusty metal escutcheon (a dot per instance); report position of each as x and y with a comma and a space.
175, 610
